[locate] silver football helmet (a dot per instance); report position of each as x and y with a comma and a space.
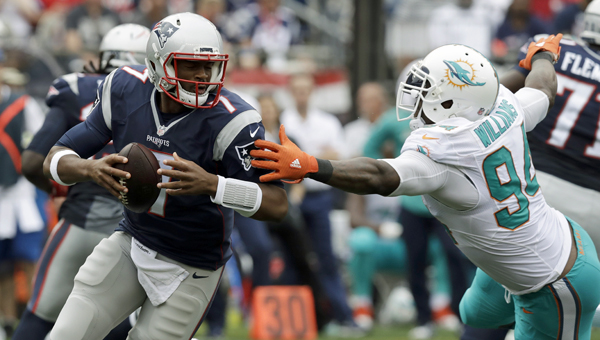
591, 22
185, 36
451, 81
123, 45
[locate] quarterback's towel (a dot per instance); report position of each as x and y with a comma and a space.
159, 278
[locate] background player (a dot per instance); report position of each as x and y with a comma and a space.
567, 142
566, 145
89, 213
469, 159
170, 259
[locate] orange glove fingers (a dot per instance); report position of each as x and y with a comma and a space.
268, 165
274, 156
265, 144
550, 44
270, 177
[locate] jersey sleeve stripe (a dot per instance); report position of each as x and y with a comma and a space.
106, 107
71, 80
231, 130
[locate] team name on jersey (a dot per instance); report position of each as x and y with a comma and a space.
157, 141
581, 66
497, 123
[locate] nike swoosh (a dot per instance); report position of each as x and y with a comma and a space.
252, 134
425, 137
198, 277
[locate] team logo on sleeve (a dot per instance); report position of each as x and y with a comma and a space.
243, 153
460, 74
52, 92
164, 30
423, 149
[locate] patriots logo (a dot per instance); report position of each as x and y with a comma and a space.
460, 74
164, 30
243, 153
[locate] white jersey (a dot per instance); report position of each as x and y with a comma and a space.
509, 231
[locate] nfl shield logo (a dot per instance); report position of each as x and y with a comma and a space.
161, 130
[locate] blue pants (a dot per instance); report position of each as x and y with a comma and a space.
416, 236
315, 209
258, 244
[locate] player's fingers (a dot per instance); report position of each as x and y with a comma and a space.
265, 144
115, 159
116, 172
292, 182
265, 154
173, 173
265, 165
181, 165
270, 177
282, 136
173, 185
112, 186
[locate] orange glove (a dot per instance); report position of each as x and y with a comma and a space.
550, 44
286, 160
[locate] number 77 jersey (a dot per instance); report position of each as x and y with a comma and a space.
567, 143
510, 232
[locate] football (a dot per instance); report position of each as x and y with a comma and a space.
142, 165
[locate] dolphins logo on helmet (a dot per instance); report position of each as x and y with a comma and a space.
461, 74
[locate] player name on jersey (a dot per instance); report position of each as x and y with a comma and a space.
588, 69
502, 119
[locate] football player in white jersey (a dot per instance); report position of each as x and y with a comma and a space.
469, 157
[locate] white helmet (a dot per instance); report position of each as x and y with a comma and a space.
451, 81
185, 36
123, 45
591, 22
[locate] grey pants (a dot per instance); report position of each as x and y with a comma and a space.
107, 290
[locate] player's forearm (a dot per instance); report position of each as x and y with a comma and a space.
542, 77
274, 204
70, 168
32, 168
358, 175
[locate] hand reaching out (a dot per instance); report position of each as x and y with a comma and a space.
286, 160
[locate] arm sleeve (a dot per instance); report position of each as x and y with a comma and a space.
55, 125
418, 173
535, 106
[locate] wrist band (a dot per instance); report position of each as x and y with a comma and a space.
543, 55
54, 165
242, 196
325, 171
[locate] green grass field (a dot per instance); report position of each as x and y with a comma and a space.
379, 333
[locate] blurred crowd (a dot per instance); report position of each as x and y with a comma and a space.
368, 259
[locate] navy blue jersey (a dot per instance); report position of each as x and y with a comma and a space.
189, 229
70, 99
566, 143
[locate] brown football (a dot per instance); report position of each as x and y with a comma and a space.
142, 165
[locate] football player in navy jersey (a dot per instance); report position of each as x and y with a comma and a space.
89, 213
168, 260
566, 145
